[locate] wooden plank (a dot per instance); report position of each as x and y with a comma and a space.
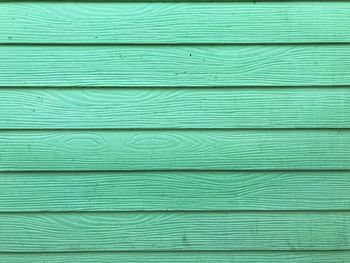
171, 191
180, 257
55, 232
154, 22
175, 66
40, 108
175, 150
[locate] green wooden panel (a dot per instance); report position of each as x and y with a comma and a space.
165, 191
175, 149
175, 108
35, 232
140, 22
50, 232
180, 66
180, 257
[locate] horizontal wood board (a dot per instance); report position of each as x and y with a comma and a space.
175, 150
169, 22
54, 232
174, 191
180, 257
174, 66
77, 108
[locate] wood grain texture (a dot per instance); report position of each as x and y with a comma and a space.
175, 66
40, 108
140, 22
180, 257
175, 150
171, 191
54, 232
105, 105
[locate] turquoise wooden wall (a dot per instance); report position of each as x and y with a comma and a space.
175, 131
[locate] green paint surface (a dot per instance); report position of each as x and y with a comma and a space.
271, 149
163, 231
174, 191
175, 65
175, 108
160, 131
180, 257
183, 22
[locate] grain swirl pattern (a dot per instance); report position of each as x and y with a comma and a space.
155, 22
174, 66
74, 108
173, 191
175, 150
56, 232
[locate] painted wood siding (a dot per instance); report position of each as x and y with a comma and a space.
160, 131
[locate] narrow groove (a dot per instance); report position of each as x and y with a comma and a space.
178, 87
175, 251
305, 211
250, 88
166, 44
172, 171
108, 129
